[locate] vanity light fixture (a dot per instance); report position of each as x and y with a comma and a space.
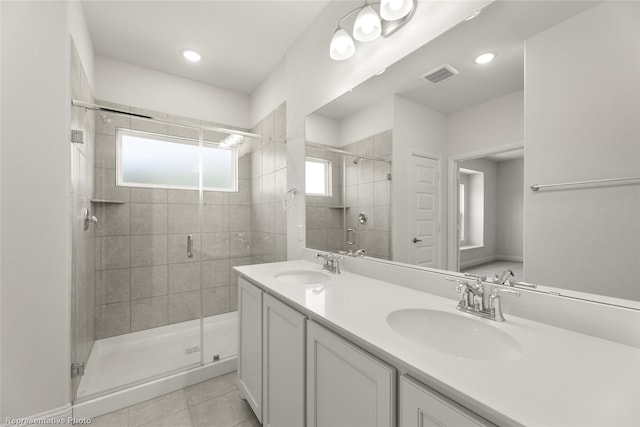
370, 24
485, 58
392, 10
367, 26
191, 55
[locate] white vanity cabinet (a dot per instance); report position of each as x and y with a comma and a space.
346, 386
423, 407
250, 344
271, 361
283, 364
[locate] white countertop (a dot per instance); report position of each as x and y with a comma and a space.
563, 379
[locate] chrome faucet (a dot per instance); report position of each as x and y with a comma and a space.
504, 277
331, 261
507, 278
481, 299
359, 252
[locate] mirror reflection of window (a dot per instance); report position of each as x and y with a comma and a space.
317, 177
472, 208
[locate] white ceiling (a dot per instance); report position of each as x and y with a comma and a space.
240, 41
501, 28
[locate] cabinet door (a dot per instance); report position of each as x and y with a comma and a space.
346, 387
283, 364
250, 345
423, 407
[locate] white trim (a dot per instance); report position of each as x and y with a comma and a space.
439, 201
62, 413
149, 390
478, 261
453, 243
509, 258
469, 247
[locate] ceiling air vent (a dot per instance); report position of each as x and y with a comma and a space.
439, 74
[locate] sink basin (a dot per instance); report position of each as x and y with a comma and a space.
456, 335
303, 277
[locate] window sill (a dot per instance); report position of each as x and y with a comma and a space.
469, 247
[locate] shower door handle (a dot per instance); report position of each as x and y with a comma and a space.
353, 235
189, 246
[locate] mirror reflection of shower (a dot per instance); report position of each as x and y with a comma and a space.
357, 182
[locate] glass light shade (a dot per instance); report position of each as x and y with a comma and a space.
367, 26
391, 10
342, 46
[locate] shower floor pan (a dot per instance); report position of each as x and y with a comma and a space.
120, 361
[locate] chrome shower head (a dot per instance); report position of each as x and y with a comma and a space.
357, 160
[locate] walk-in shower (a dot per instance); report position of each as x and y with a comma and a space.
178, 204
354, 212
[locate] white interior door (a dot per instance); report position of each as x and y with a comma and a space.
424, 245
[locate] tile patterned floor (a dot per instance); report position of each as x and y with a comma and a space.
212, 403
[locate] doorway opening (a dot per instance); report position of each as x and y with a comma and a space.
488, 213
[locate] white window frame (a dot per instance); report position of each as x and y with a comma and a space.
462, 212
175, 140
328, 165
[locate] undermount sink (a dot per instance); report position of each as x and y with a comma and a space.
455, 334
303, 277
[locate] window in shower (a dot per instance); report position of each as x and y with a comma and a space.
317, 177
160, 161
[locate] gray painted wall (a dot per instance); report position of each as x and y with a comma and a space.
582, 109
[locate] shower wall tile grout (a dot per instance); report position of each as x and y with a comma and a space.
145, 237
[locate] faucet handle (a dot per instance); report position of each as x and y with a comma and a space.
495, 303
460, 282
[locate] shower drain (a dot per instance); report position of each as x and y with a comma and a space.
190, 350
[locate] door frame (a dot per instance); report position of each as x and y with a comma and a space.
453, 242
439, 199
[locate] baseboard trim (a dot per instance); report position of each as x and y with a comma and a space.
509, 258
62, 415
477, 261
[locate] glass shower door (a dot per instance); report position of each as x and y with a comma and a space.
148, 200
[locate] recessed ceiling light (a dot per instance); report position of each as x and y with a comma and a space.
485, 58
191, 55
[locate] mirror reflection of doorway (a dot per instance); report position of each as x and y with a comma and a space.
490, 214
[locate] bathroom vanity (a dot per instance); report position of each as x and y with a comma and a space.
320, 349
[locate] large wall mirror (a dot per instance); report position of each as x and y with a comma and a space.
432, 161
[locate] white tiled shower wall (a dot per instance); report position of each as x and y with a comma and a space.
143, 277
366, 188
